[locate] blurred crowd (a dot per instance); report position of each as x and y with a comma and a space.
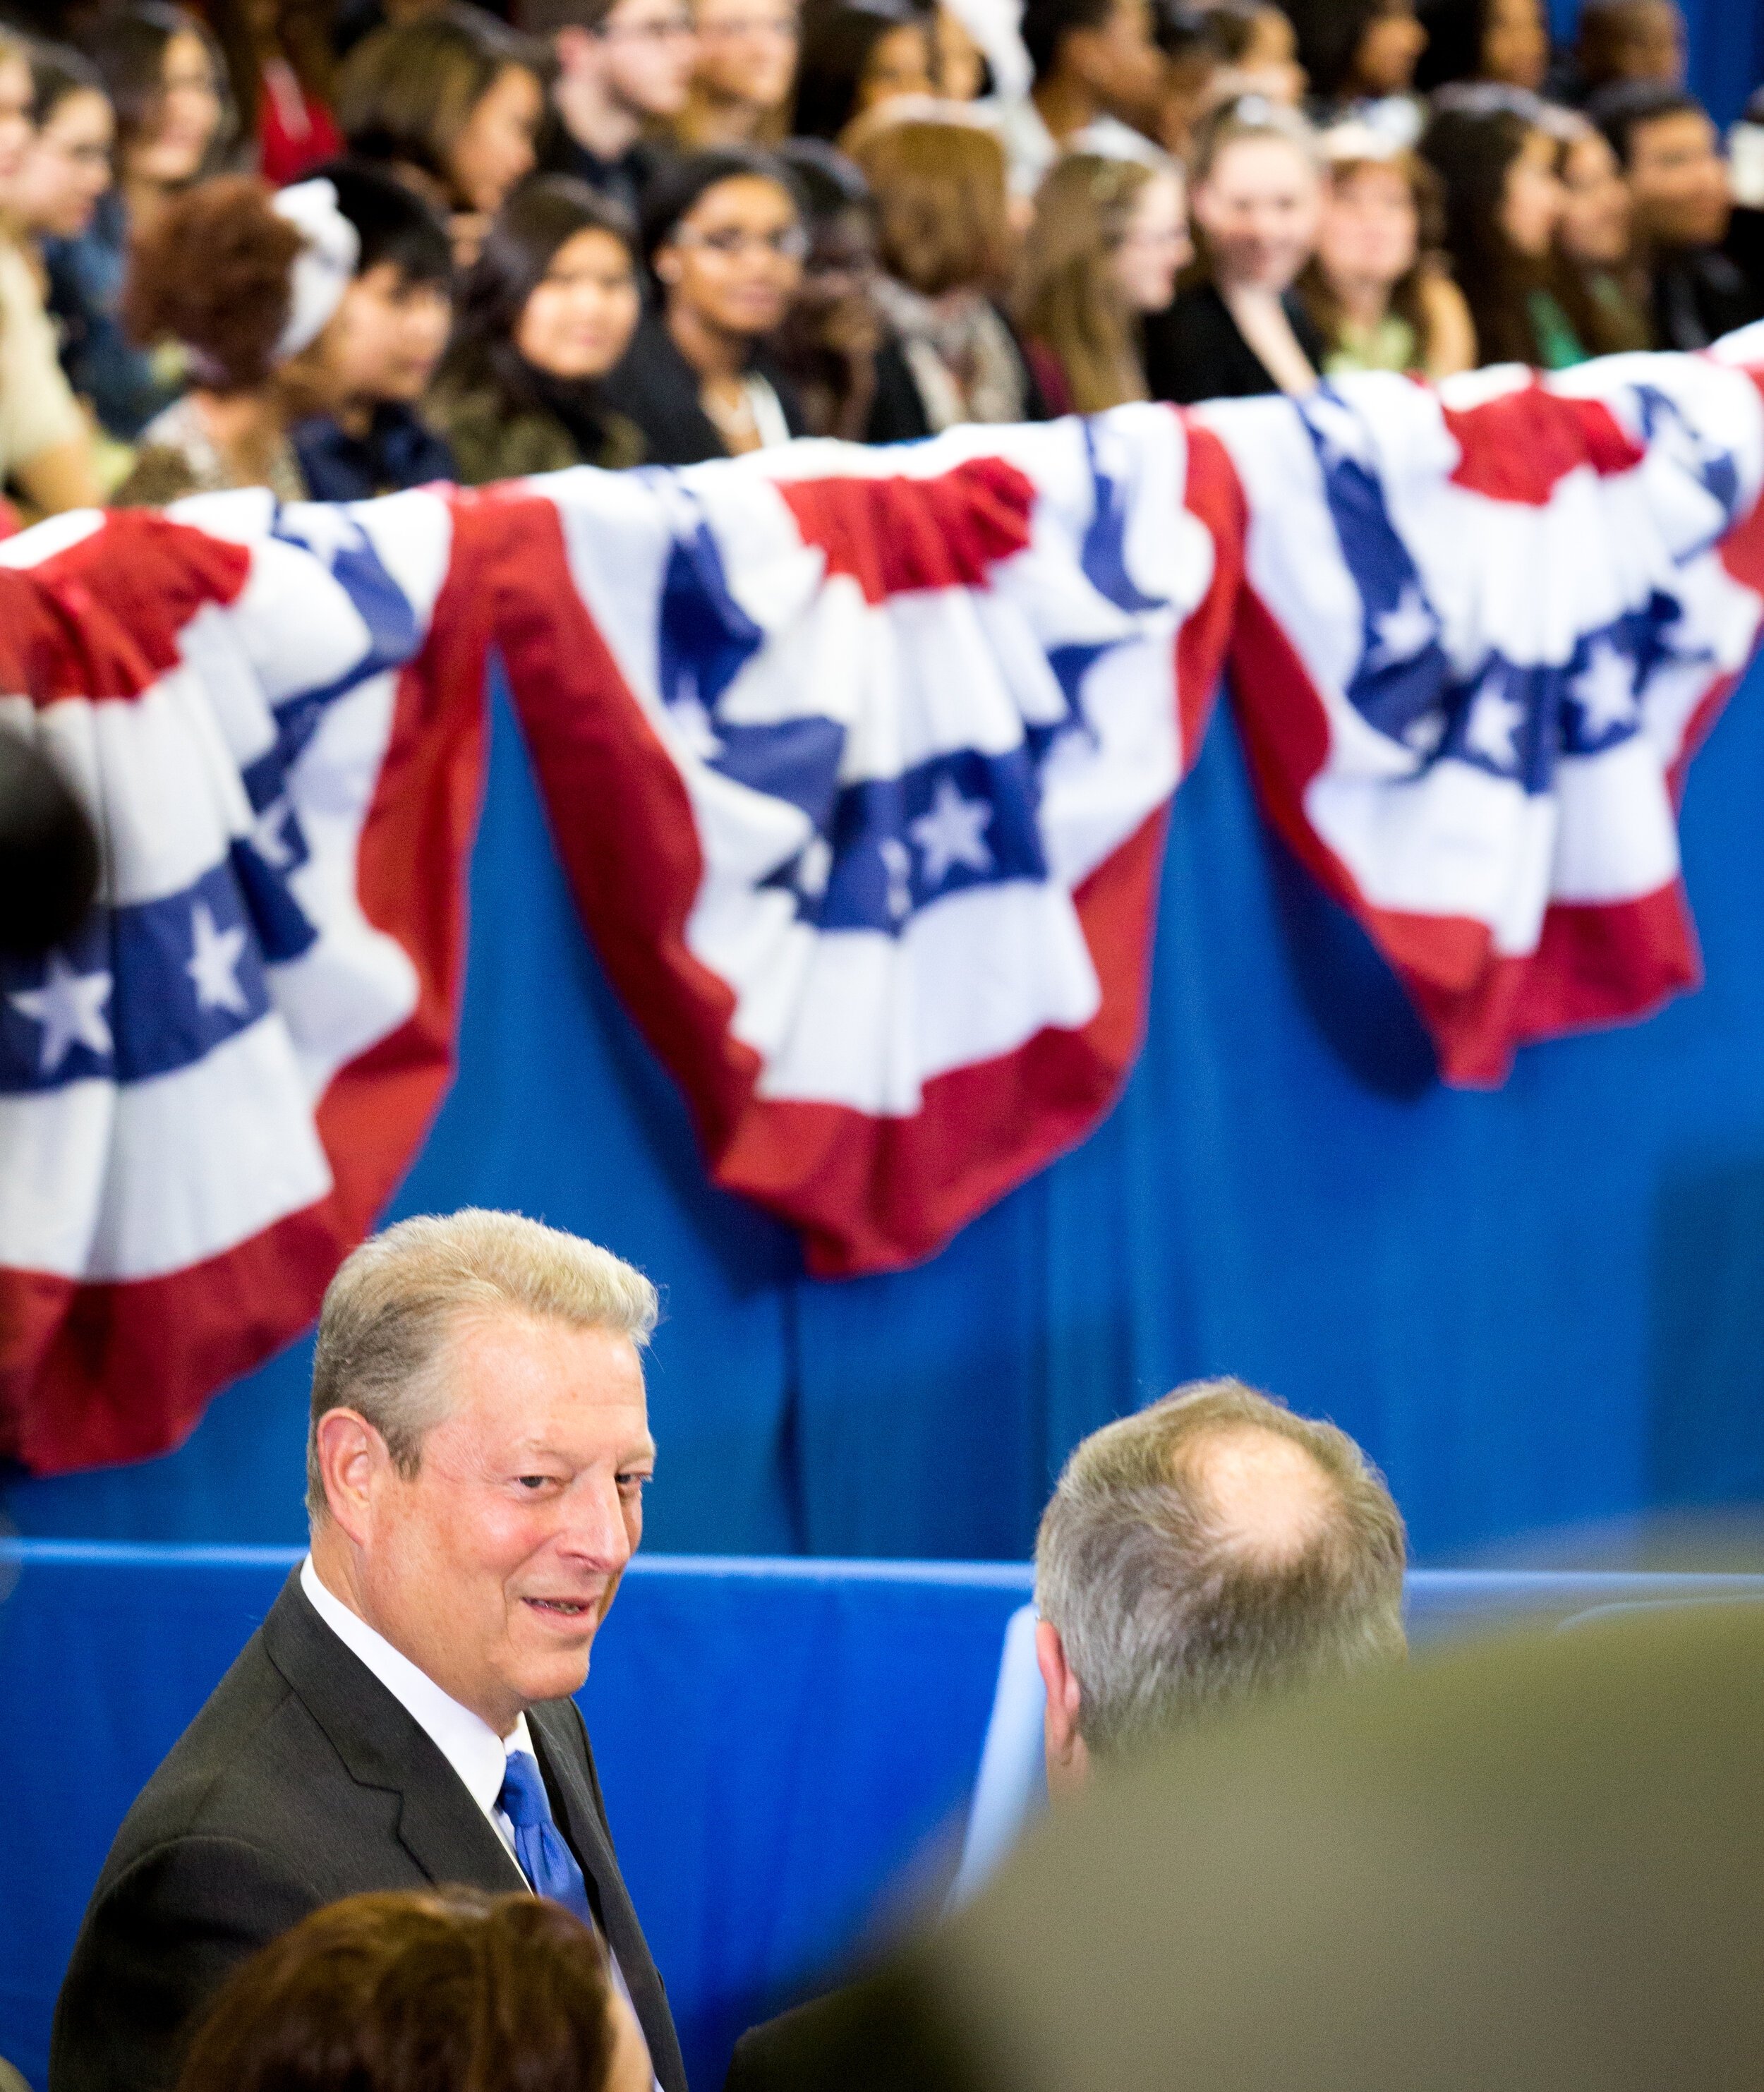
341, 247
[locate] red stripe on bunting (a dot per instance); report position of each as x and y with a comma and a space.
1519, 446
867, 1193
91, 1375
100, 618
1594, 965
896, 534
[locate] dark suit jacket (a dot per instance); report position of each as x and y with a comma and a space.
303, 1780
658, 389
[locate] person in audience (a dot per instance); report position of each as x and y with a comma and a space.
723, 239
285, 68
1097, 73
216, 272
1257, 50
1503, 43
855, 59
404, 1717
834, 348
743, 74
1683, 208
163, 74
67, 166
547, 311
1212, 1550
447, 1988
623, 71
1594, 242
450, 101
45, 451
1241, 328
1497, 160
948, 255
1108, 240
353, 391
958, 63
1375, 286
1625, 40
1360, 59
1193, 66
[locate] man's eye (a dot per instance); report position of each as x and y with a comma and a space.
533, 1481
628, 1483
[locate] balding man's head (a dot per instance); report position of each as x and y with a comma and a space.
1211, 1548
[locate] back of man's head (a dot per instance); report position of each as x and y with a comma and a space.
1211, 1549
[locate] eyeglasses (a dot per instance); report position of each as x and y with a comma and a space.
789, 242
670, 29
783, 27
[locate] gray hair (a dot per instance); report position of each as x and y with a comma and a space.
394, 1303
1165, 1612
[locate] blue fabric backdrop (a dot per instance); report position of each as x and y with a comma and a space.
1534, 1306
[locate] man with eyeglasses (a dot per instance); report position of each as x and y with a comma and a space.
623, 67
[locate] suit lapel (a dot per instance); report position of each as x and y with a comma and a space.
561, 1745
383, 1746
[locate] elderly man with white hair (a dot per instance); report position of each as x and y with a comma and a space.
478, 1453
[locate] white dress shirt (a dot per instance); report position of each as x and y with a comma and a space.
469, 1744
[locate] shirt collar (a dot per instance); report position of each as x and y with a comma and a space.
468, 1742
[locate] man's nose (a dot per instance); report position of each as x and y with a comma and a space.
595, 1530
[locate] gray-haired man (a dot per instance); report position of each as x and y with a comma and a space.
1211, 1548
476, 1465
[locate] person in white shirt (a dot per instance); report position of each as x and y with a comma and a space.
476, 1465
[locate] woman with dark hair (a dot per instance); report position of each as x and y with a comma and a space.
67, 167
1504, 207
855, 59
162, 71
450, 101
44, 449
548, 309
834, 344
423, 1991
1595, 243
1361, 57
723, 239
216, 272
1501, 43
948, 254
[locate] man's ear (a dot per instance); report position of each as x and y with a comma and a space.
351, 1456
1068, 1754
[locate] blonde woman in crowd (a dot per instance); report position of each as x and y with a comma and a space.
45, 450
1377, 288
1109, 238
1242, 329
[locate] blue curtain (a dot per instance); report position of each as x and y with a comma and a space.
1535, 1306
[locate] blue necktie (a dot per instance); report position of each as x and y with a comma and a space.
546, 1861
